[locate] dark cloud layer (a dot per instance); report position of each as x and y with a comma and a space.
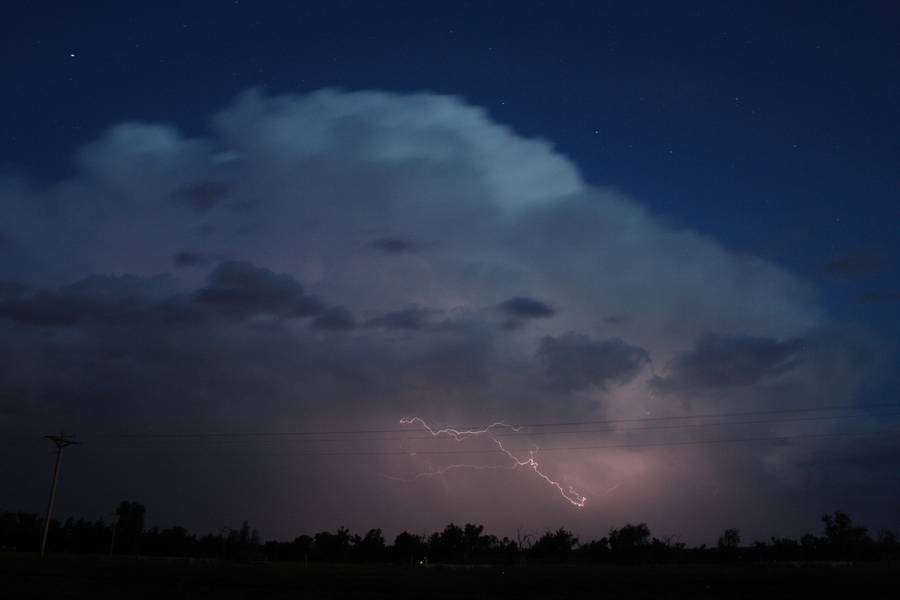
522, 307
575, 361
243, 290
726, 362
202, 196
237, 290
412, 318
336, 318
186, 258
99, 299
394, 245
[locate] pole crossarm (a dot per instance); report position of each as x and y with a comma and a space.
61, 440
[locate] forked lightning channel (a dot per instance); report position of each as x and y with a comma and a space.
568, 493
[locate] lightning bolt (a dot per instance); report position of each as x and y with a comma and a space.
568, 493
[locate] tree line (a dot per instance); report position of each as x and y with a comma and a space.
126, 534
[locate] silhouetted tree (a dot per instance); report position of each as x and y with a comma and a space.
409, 548
595, 550
508, 551
79, 536
811, 546
888, 544
887, 538
446, 546
729, 540
243, 543
332, 547
664, 550
210, 546
129, 527
468, 544
19, 531
370, 547
556, 545
174, 541
629, 538
843, 538
302, 547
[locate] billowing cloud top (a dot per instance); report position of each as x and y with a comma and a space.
353, 257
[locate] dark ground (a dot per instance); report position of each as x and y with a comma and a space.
101, 577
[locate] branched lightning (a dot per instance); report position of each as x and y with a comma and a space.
456, 434
568, 493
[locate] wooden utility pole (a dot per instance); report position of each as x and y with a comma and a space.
61, 442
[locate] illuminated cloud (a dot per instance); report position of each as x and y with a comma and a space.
305, 307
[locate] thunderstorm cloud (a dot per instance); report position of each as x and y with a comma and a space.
361, 256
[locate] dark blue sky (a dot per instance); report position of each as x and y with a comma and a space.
772, 127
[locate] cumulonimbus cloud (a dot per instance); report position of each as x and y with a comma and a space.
291, 207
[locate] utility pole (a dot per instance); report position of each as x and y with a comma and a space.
61, 441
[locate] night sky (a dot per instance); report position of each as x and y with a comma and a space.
227, 223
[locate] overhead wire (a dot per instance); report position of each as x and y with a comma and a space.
543, 449
509, 433
348, 432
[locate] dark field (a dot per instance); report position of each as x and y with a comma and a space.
102, 577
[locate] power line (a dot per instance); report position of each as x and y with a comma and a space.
518, 425
625, 445
544, 433
540, 450
544, 427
